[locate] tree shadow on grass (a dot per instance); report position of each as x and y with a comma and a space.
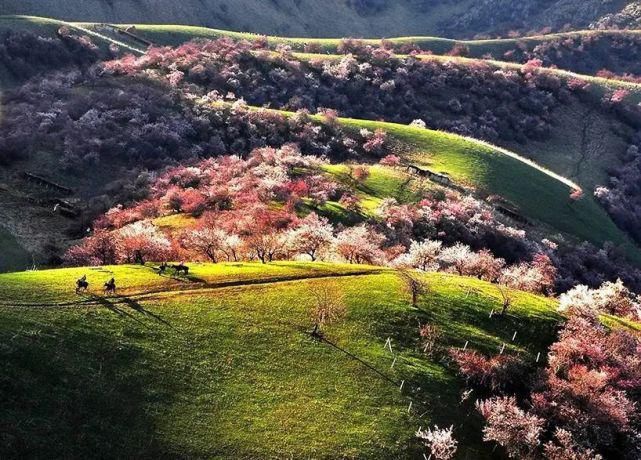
137, 306
116, 303
73, 391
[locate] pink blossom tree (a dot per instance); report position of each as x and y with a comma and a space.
360, 244
97, 249
510, 426
312, 236
141, 242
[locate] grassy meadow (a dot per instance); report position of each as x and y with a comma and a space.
230, 370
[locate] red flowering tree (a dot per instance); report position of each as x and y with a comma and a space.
592, 384
97, 249
497, 373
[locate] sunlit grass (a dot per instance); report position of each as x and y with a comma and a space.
475, 164
231, 372
58, 285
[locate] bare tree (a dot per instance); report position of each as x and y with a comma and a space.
506, 296
329, 305
413, 285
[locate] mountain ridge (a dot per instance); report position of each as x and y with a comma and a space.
335, 18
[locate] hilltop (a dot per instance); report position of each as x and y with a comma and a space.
340, 18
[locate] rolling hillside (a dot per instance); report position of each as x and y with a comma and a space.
543, 197
344, 17
229, 367
593, 48
585, 159
488, 170
234, 249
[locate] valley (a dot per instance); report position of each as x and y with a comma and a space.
232, 230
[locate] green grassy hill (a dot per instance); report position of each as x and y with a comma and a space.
174, 35
540, 194
220, 364
583, 160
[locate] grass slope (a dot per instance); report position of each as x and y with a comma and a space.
229, 371
48, 27
172, 35
538, 193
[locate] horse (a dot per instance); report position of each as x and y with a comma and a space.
162, 268
82, 285
181, 268
110, 286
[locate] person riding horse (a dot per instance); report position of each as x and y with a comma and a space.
82, 284
162, 268
110, 286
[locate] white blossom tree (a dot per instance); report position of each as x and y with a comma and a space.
440, 442
456, 257
611, 297
140, 242
422, 255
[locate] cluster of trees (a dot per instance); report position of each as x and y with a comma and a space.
586, 264
611, 297
25, 54
606, 55
144, 123
586, 54
140, 121
582, 405
370, 83
250, 209
622, 195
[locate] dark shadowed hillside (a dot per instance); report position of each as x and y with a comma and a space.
333, 18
